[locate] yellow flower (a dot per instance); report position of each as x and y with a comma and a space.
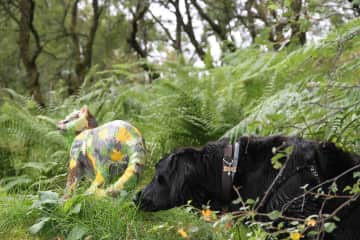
310, 222
295, 236
182, 233
207, 214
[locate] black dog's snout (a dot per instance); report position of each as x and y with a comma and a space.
137, 198
142, 202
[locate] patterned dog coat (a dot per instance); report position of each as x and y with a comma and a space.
114, 153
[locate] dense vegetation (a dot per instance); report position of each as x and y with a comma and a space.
310, 91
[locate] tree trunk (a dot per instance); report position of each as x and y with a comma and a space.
296, 6
27, 56
82, 54
178, 46
250, 19
139, 14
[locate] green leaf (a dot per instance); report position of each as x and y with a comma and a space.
275, 160
223, 220
357, 173
48, 196
78, 232
280, 225
333, 187
72, 203
263, 36
237, 201
39, 225
35, 165
250, 201
312, 233
289, 150
208, 59
347, 188
329, 227
294, 223
274, 215
305, 24
16, 181
76, 209
272, 6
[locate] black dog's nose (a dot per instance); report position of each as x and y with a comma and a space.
136, 198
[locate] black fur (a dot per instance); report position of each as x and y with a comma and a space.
195, 174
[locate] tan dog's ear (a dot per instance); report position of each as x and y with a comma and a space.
84, 110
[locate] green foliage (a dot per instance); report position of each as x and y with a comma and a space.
275, 160
329, 227
14, 220
312, 92
31, 143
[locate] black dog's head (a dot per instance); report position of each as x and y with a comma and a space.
179, 177
170, 183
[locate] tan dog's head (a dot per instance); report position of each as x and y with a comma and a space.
78, 121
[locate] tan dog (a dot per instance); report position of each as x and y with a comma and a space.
113, 151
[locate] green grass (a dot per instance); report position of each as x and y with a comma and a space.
106, 218
14, 220
101, 218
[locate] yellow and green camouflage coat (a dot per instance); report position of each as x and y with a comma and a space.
114, 152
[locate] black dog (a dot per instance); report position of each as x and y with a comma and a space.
196, 175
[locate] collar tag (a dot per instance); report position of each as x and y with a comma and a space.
229, 169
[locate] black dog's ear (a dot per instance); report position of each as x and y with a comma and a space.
177, 172
332, 160
224, 140
183, 168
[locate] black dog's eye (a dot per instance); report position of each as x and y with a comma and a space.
161, 179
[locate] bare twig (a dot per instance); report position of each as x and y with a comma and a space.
269, 189
319, 185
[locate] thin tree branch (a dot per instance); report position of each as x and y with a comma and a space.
139, 14
216, 27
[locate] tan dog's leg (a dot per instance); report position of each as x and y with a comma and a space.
73, 177
98, 182
127, 181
